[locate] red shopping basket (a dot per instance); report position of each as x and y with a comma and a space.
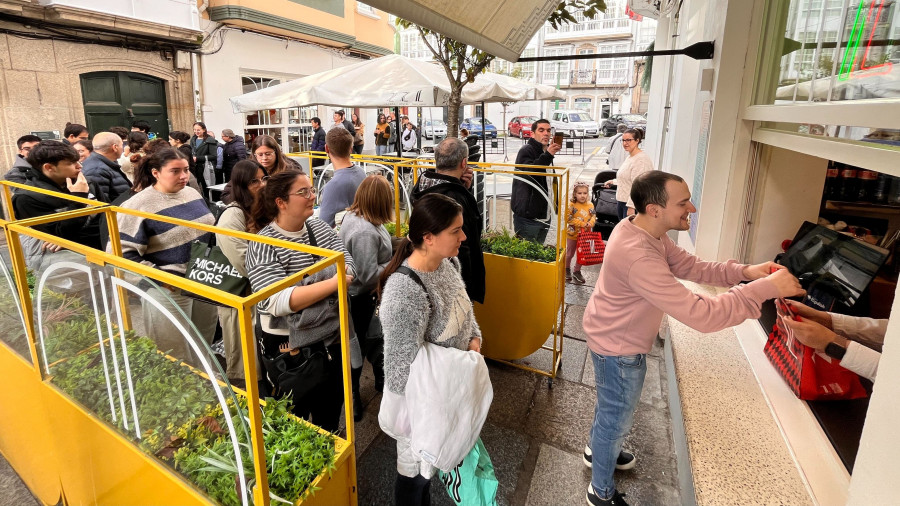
590, 248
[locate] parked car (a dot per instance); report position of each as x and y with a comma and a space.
520, 126
574, 123
473, 125
435, 127
630, 120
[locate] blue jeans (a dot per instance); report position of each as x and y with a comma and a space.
619, 383
621, 209
532, 230
380, 149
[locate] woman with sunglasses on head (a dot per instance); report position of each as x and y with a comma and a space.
301, 321
248, 179
266, 151
636, 164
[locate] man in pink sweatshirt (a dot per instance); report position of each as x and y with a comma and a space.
637, 285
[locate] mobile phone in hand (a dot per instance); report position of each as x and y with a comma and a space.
558, 138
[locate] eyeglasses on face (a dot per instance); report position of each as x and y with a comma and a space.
259, 180
262, 154
304, 192
627, 140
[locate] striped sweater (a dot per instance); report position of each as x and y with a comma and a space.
159, 244
268, 264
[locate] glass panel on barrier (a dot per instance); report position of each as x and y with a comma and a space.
159, 383
12, 322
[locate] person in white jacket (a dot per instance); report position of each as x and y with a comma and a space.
423, 299
841, 337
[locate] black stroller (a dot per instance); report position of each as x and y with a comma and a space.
604, 200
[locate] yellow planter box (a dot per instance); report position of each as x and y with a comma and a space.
520, 307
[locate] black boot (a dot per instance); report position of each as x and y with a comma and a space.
357, 400
377, 360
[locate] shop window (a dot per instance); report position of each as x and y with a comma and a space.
583, 103
803, 191
820, 51
873, 137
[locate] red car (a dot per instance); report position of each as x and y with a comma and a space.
520, 126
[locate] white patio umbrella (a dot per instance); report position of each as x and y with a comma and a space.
861, 84
389, 81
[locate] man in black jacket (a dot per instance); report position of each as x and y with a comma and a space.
529, 204
102, 167
452, 177
19, 171
233, 152
55, 167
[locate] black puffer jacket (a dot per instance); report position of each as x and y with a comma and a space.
107, 174
470, 255
232, 153
83, 230
18, 173
527, 201
206, 152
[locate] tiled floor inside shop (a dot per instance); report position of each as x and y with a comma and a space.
535, 435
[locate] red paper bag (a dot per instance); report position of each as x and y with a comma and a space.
590, 248
812, 376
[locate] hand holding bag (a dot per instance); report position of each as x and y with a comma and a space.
590, 247
811, 375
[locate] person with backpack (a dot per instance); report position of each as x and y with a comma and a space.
423, 299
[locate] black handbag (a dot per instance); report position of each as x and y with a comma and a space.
208, 265
298, 374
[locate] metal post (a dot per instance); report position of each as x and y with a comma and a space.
483, 133
399, 133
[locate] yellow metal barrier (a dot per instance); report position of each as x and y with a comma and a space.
88, 461
524, 304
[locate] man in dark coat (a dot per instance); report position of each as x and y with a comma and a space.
55, 167
452, 177
529, 204
318, 140
234, 151
18, 173
102, 167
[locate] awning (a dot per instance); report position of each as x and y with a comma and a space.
499, 27
390, 81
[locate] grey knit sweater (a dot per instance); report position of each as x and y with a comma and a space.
409, 318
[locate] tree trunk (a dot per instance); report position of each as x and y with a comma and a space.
453, 112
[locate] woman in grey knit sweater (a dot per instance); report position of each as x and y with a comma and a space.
369, 243
440, 313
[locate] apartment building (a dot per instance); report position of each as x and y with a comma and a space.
252, 45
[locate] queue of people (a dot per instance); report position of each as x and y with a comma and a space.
425, 285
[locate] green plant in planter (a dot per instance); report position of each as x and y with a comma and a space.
392, 227
506, 244
296, 452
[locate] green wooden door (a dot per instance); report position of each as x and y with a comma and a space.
120, 98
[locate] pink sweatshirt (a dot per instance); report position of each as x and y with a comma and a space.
638, 283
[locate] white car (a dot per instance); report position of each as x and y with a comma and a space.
435, 127
574, 123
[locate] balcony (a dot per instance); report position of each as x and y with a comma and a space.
593, 78
170, 19
595, 29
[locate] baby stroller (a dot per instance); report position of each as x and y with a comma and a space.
604, 200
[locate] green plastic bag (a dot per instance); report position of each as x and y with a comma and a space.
472, 482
